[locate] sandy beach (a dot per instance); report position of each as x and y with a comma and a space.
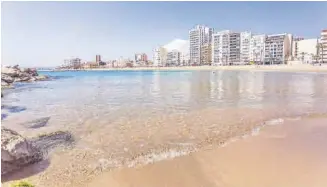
282, 68
288, 154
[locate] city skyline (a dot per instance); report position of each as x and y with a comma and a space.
50, 32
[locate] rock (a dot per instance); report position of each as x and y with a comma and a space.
49, 141
32, 79
10, 71
3, 83
30, 71
22, 78
16, 151
41, 77
41, 122
6, 78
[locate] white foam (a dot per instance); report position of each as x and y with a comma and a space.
275, 121
155, 157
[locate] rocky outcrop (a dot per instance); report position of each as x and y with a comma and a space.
16, 151
10, 75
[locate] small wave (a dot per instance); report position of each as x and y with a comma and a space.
274, 121
155, 157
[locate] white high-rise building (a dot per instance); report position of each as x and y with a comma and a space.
257, 48
160, 56
198, 36
245, 47
226, 48
220, 48
323, 46
278, 48
234, 48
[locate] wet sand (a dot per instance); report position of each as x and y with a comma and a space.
285, 155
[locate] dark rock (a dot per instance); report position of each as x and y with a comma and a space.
13, 109
47, 142
16, 151
41, 122
3, 116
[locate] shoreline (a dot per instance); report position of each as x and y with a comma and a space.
282, 156
282, 68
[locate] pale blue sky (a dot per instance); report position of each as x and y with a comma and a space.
45, 33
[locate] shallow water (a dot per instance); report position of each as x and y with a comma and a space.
126, 118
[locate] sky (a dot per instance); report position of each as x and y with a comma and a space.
43, 34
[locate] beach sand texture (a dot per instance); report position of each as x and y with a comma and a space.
285, 155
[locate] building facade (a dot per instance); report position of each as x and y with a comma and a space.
198, 36
206, 54
277, 49
141, 57
226, 48
173, 58
234, 48
304, 50
220, 48
159, 57
257, 49
323, 46
98, 59
245, 47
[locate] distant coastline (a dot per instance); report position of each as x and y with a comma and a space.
287, 68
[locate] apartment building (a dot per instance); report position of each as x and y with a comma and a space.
160, 56
257, 48
245, 47
206, 54
173, 58
141, 57
277, 48
220, 48
98, 59
234, 48
295, 46
198, 36
226, 48
323, 46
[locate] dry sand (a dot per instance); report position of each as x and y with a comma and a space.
293, 154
